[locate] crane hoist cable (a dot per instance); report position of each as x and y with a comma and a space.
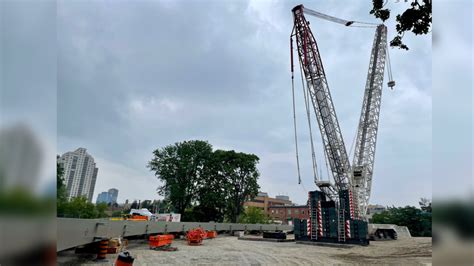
352, 144
294, 110
306, 101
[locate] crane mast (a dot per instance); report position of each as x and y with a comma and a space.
364, 154
320, 95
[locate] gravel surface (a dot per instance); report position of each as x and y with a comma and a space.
226, 250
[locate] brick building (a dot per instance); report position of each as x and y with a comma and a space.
284, 214
263, 201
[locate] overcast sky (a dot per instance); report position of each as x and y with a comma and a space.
137, 75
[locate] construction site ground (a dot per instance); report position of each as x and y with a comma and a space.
228, 250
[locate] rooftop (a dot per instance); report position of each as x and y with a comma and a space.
289, 206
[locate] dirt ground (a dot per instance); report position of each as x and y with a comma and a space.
227, 250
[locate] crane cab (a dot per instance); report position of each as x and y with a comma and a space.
358, 174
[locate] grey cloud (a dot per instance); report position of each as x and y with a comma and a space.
134, 76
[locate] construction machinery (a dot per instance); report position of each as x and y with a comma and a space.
338, 210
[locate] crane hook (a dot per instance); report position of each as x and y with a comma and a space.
391, 84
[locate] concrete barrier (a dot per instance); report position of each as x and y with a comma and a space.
402, 231
75, 232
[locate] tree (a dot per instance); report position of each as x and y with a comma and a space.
80, 207
212, 194
134, 205
100, 210
204, 185
117, 213
61, 193
200, 213
147, 204
239, 174
254, 215
180, 167
416, 19
417, 221
425, 205
162, 206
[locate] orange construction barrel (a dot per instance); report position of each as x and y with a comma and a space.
124, 259
103, 246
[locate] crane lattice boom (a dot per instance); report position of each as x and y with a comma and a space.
315, 78
364, 155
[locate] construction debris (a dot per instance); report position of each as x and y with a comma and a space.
195, 236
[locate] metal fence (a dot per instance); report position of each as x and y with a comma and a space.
76, 232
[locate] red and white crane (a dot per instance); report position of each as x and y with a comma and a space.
356, 178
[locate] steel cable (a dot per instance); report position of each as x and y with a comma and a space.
306, 100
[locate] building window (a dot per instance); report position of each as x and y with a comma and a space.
289, 211
302, 212
297, 211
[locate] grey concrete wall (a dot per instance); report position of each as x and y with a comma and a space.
76, 232
402, 231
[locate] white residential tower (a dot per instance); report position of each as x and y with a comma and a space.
80, 173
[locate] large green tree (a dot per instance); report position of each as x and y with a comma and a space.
212, 194
180, 168
415, 19
202, 184
238, 172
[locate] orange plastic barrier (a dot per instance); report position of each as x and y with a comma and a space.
160, 241
138, 218
211, 234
